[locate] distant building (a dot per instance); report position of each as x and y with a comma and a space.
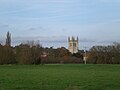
44, 54
8, 39
73, 45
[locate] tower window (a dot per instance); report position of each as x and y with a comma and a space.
70, 44
74, 44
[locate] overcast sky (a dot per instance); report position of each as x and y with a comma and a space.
95, 22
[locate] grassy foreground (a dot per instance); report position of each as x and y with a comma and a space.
60, 77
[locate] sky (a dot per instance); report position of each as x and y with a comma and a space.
95, 22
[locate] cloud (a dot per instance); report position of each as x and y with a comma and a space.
4, 26
39, 28
14, 10
41, 39
58, 41
42, 6
87, 40
109, 1
49, 39
38, 1
89, 19
31, 29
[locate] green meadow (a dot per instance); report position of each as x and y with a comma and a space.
60, 77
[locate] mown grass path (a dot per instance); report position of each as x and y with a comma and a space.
60, 77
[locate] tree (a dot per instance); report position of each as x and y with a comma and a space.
105, 54
28, 53
7, 55
8, 39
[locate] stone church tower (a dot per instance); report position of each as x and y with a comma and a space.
73, 45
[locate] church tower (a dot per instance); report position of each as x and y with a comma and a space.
8, 39
73, 45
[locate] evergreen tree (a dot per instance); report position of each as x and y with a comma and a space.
8, 39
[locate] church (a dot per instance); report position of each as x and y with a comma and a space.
73, 45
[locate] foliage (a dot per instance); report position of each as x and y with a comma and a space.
33, 53
105, 54
7, 55
61, 55
79, 55
28, 54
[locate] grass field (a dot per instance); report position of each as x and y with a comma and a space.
60, 77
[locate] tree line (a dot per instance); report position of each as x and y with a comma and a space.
105, 54
33, 53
